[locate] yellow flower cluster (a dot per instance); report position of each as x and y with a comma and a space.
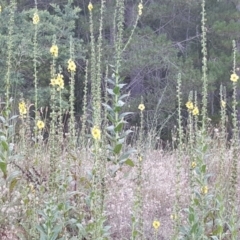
173, 217
40, 124
71, 66
96, 133
141, 107
204, 190
223, 104
234, 77
193, 165
156, 224
90, 7
191, 108
36, 18
58, 82
54, 50
140, 8
195, 111
22, 108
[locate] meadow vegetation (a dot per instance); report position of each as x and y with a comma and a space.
95, 177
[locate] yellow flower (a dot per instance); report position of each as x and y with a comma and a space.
96, 133
234, 77
35, 18
189, 105
193, 165
204, 190
156, 224
58, 81
90, 7
54, 50
195, 111
40, 124
141, 107
140, 8
71, 66
223, 104
53, 82
32, 188
173, 216
0, 8
22, 108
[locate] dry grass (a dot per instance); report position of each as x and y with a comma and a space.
159, 173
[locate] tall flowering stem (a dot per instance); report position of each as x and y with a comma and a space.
137, 219
84, 108
35, 45
93, 72
235, 148
9, 51
176, 214
53, 115
97, 98
97, 195
72, 70
204, 67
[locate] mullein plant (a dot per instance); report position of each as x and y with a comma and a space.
72, 70
176, 210
96, 227
83, 133
232, 208
200, 201
114, 132
137, 217
12, 7
36, 21
56, 83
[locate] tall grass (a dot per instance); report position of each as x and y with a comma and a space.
94, 185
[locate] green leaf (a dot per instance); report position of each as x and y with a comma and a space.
110, 81
191, 217
110, 128
120, 103
214, 237
116, 90
3, 167
129, 162
122, 115
205, 148
13, 117
111, 118
126, 154
12, 184
110, 91
203, 169
117, 109
113, 171
5, 145
107, 107
195, 228
196, 201
120, 140
117, 148
124, 134
119, 127
2, 119
123, 96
